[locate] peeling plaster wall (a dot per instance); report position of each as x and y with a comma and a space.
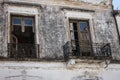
53, 24
53, 32
58, 71
3, 33
105, 30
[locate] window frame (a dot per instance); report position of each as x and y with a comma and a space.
78, 21
16, 18
73, 42
23, 22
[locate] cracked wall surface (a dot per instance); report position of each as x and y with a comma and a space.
52, 33
3, 36
53, 23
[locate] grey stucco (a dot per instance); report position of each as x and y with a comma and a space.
52, 29
3, 43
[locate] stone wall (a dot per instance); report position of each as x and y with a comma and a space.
53, 31
53, 23
3, 33
105, 30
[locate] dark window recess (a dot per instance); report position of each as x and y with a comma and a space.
17, 23
28, 24
23, 29
76, 36
22, 37
75, 26
17, 29
28, 29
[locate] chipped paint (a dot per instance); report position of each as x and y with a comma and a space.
52, 33
52, 29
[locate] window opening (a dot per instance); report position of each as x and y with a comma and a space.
22, 37
80, 38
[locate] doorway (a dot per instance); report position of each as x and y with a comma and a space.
80, 38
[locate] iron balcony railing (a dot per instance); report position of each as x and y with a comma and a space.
95, 51
23, 50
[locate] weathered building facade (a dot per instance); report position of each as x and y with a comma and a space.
80, 37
